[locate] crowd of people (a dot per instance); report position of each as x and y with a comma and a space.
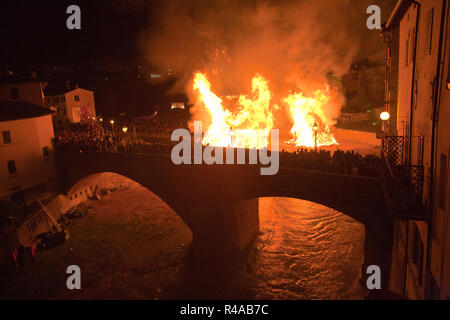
156, 125
94, 138
345, 162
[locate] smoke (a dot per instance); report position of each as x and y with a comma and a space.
295, 45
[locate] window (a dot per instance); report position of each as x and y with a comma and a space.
434, 291
417, 255
18, 197
14, 93
12, 167
63, 99
415, 95
413, 44
45, 152
429, 32
442, 187
77, 98
406, 51
6, 137
448, 75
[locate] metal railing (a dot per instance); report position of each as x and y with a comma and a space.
403, 183
394, 149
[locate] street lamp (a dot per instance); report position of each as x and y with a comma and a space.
384, 116
125, 137
112, 126
315, 128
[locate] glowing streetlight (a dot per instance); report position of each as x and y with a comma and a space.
385, 116
112, 126
315, 128
124, 129
101, 119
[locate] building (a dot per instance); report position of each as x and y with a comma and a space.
24, 89
416, 146
69, 105
27, 168
363, 84
363, 88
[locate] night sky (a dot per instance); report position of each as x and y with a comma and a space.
34, 32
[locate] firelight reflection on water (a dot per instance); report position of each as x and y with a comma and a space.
308, 251
305, 251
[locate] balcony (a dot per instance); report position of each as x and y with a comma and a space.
402, 183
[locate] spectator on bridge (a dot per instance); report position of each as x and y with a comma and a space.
85, 138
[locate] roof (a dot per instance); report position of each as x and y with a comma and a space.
60, 88
13, 78
56, 89
16, 110
398, 13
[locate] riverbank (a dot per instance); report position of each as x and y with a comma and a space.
126, 249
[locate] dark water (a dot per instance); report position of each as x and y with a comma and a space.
305, 251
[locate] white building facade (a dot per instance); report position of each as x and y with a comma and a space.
30, 90
71, 106
26, 151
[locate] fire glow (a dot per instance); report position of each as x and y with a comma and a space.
305, 112
250, 126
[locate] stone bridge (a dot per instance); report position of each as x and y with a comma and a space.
219, 203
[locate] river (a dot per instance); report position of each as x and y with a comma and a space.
305, 251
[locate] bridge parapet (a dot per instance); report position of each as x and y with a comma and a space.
229, 180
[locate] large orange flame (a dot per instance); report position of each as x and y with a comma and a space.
247, 128
308, 114
250, 126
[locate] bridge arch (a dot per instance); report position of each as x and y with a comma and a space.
350, 208
102, 183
